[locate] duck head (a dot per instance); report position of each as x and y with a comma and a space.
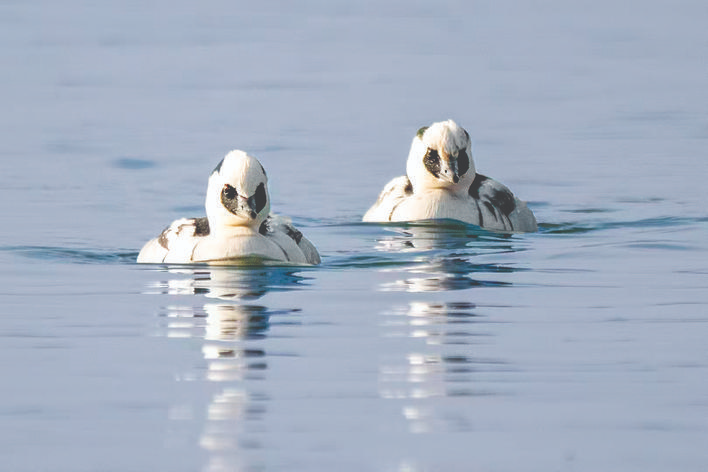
237, 193
441, 157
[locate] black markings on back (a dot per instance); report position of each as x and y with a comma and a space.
162, 239
261, 197
263, 229
201, 226
480, 217
431, 160
290, 230
421, 132
495, 197
504, 200
463, 162
198, 226
476, 184
408, 189
293, 233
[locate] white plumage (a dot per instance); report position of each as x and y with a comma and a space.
238, 223
442, 183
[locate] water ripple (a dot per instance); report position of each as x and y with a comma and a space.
73, 255
226, 282
391, 245
581, 228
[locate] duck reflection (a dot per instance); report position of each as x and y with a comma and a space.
229, 428
225, 328
441, 367
232, 329
227, 283
218, 321
445, 254
447, 273
420, 237
236, 359
436, 323
232, 347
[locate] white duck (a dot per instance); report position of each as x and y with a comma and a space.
237, 225
442, 183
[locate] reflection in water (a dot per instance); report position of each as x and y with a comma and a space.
420, 237
225, 328
227, 283
232, 348
229, 332
439, 274
444, 260
436, 323
229, 427
442, 367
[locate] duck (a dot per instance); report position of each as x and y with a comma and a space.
442, 182
238, 223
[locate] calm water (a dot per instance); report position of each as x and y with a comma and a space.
412, 348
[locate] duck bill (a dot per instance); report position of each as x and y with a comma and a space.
246, 207
448, 171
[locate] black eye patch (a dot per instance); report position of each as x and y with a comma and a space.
228, 193
463, 162
261, 197
431, 160
229, 198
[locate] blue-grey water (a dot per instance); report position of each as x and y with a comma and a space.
411, 348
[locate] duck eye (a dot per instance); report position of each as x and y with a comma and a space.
432, 162
229, 192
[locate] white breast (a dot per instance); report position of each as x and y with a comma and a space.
436, 205
242, 242
488, 204
180, 243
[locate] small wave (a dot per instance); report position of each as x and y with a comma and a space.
81, 256
403, 245
581, 228
565, 228
364, 261
392, 245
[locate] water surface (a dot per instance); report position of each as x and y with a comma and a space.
412, 347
